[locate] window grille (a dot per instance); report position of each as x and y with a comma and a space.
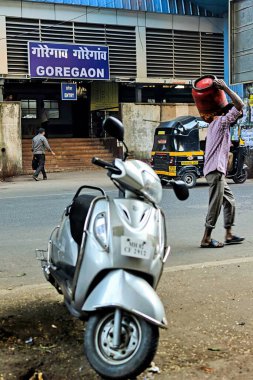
29, 109
52, 109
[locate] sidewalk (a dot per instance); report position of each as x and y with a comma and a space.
66, 180
60, 181
209, 333
209, 310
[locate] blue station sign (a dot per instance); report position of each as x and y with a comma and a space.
68, 91
67, 61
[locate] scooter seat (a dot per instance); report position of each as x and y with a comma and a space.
77, 215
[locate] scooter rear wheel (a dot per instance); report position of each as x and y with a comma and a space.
139, 341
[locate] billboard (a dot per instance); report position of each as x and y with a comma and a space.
241, 41
67, 61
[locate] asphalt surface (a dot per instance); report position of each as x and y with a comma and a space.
207, 293
29, 211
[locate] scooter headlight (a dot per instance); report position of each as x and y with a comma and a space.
152, 188
101, 230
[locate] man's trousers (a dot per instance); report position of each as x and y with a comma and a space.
219, 194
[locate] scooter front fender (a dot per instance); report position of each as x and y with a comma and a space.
129, 292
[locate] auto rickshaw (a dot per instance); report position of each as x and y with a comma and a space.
178, 151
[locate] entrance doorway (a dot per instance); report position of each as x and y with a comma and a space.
80, 117
65, 118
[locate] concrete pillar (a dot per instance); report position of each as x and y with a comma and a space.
141, 60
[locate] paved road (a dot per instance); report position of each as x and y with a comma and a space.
29, 210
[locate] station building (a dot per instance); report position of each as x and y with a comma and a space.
79, 61
155, 50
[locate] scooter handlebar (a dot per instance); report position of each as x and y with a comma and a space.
106, 165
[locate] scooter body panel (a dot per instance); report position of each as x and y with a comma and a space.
64, 249
124, 217
129, 292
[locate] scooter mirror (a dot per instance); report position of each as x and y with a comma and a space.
114, 128
180, 189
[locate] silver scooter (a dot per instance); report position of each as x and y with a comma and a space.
106, 257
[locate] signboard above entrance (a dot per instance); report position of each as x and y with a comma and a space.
66, 61
68, 91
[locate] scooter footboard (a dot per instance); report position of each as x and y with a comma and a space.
129, 292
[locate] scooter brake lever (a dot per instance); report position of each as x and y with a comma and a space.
67, 210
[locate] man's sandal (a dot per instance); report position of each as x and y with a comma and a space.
213, 244
234, 240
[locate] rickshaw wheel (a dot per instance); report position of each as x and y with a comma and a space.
242, 177
190, 179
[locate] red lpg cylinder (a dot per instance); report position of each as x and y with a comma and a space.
208, 98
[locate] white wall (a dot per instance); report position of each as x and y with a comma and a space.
141, 120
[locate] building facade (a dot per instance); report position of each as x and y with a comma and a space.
156, 49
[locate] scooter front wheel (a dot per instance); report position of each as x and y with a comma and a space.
135, 351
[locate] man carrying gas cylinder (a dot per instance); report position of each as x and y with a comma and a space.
215, 167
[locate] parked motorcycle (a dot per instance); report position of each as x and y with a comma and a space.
106, 257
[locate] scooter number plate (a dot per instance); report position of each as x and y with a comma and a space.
135, 248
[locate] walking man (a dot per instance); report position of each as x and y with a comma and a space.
39, 146
215, 169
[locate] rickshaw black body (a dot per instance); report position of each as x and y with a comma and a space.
177, 151
239, 171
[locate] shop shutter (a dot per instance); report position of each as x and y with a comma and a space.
184, 54
121, 42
